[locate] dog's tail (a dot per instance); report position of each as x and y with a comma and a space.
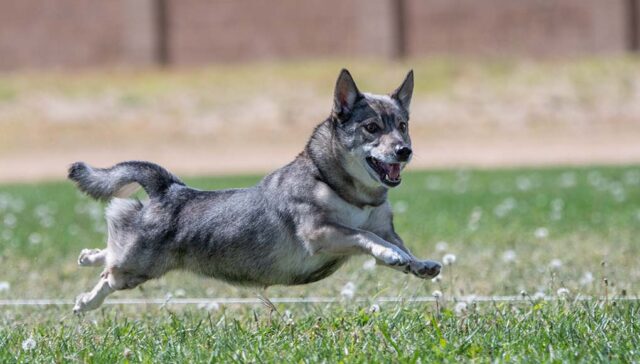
121, 179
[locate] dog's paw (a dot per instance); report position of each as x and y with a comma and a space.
87, 257
425, 268
84, 303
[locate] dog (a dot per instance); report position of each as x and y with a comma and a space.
297, 225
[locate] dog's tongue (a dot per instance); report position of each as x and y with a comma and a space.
393, 171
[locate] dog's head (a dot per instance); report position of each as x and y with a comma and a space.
373, 130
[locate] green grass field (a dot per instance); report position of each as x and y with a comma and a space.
558, 232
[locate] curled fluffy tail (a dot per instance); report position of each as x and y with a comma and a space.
104, 183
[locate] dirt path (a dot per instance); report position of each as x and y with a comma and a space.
498, 150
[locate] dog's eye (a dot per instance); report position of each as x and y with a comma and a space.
402, 127
372, 127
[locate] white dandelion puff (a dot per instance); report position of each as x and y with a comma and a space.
541, 233
180, 292
568, 179
563, 292
29, 344
437, 279
505, 207
209, 306
460, 308
374, 308
449, 259
538, 296
35, 238
586, 279
442, 246
555, 263
523, 183
400, 207
369, 264
4, 286
474, 219
348, 291
509, 256
436, 294
10, 220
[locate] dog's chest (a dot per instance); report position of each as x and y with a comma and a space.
340, 211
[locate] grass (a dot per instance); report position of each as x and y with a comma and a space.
534, 231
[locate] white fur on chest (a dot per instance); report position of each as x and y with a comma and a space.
340, 211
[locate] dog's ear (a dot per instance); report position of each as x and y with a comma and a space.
403, 93
345, 95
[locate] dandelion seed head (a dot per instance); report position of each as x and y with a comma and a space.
179, 292
563, 292
538, 295
348, 291
568, 179
460, 308
437, 279
10, 220
509, 256
374, 308
524, 183
586, 279
442, 246
555, 263
400, 207
449, 259
541, 233
5, 286
35, 238
505, 207
474, 219
29, 344
369, 264
437, 294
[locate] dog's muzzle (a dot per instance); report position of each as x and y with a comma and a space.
388, 173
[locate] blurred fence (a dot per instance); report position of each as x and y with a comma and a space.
72, 33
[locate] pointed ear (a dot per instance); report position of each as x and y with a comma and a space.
345, 95
404, 92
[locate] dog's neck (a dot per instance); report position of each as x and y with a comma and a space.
325, 155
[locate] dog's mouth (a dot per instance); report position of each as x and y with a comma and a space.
389, 173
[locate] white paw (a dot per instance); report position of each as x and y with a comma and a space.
425, 268
84, 303
86, 257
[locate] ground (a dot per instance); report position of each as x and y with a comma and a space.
565, 240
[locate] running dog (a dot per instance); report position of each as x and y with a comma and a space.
297, 225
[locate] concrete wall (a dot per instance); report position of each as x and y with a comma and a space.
81, 33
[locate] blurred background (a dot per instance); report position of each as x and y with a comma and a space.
236, 86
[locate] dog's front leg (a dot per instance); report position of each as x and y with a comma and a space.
342, 240
419, 268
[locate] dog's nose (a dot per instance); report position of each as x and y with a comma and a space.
403, 153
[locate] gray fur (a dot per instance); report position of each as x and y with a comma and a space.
296, 226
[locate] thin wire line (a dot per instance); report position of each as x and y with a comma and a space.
308, 300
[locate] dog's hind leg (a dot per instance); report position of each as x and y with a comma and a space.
92, 257
111, 280
93, 299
